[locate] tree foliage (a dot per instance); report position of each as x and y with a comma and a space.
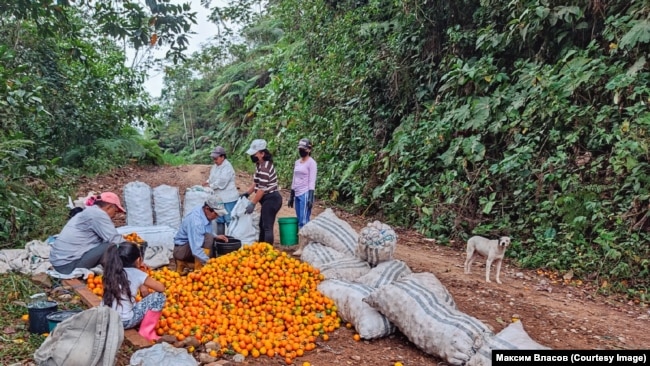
67, 99
528, 118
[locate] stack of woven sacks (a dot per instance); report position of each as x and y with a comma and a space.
378, 293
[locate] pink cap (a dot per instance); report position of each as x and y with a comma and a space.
111, 197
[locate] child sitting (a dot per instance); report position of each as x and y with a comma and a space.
122, 280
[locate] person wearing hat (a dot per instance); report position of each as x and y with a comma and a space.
222, 182
85, 237
303, 184
194, 238
264, 189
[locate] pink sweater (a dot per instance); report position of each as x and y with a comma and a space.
304, 176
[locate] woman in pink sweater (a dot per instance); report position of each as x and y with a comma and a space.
304, 183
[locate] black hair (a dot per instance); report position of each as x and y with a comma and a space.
102, 204
74, 211
267, 155
115, 282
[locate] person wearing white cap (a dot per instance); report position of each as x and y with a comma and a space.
222, 182
194, 239
85, 237
303, 184
264, 189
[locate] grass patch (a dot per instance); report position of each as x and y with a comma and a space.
17, 344
173, 159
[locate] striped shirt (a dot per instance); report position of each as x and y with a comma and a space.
265, 177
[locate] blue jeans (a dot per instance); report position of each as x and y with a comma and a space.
302, 211
228, 206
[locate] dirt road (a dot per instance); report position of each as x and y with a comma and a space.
557, 315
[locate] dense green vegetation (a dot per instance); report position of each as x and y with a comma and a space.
68, 103
527, 118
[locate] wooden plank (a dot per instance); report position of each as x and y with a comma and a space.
91, 300
88, 298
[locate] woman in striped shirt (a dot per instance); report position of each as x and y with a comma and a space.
264, 189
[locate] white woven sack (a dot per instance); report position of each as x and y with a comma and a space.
331, 231
243, 226
316, 254
428, 321
348, 297
514, 336
160, 242
376, 243
138, 204
346, 268
162, 354
167, 206
195, 196
155, 236
385, 273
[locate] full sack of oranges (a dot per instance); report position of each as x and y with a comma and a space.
255, 301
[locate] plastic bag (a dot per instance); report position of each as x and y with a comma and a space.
243, 226
162, 354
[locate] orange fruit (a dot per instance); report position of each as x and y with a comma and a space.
234, 299
356, 337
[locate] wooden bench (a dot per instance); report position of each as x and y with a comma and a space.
91, 300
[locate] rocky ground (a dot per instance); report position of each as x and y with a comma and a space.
556, 311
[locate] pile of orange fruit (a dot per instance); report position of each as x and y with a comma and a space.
94, 284
255, 301
133, 238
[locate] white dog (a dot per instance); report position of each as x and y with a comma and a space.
494, 250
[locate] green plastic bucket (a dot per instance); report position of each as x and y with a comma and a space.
58, 316
288, 230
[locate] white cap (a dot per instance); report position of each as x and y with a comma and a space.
216, 205
256, 146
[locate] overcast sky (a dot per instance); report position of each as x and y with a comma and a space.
204, 30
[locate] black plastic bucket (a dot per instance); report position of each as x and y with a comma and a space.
58, 316
38, 316
221, 247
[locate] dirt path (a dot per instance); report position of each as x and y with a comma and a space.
555, 315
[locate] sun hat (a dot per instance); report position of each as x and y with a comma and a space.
256, 146
217, 152
110, 197
304, 144
216, 205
